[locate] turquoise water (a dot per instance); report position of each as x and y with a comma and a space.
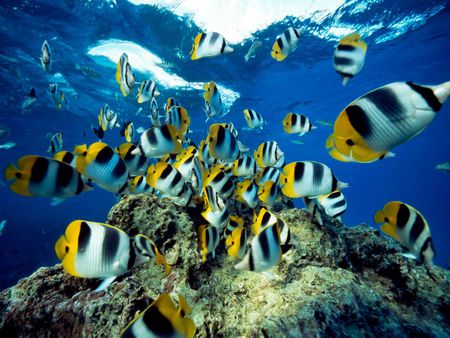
407, 41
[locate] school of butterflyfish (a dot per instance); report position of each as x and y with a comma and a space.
220, 176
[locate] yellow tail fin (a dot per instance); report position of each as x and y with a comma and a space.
10, 172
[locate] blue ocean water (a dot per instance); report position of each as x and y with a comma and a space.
407, 41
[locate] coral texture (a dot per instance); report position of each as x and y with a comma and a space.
335, 281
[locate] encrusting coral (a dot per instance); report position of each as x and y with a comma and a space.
334, 281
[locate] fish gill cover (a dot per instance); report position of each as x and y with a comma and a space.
402, 45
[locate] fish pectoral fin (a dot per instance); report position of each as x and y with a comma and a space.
105, 283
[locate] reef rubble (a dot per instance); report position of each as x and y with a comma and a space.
335, 281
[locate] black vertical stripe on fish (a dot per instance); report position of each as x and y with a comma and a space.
428, 243
64, 175
387, 102
151, 136
219, 177
251, 262
68, 157
202, 38
339, 213
265, 219
233, 143
166, 172
222, 49
80, 185
359, 120
348, 48
273, 189
342, 61
280, 43
224, 216
294, 119
302, 121
52, 145
417, 228
140, 179
227, 186
214, 234
287, 34
264, 243
84, 237
334, 183
132, 255
166, 132
39, 170
318, 172
250, 114
340, 203
123, 188
141, 149
296, 33
403, 215
299, 170
220, 136
110, 245
176, 179
119, 169
427, 94
157, 323
104, 155
213, 39
334, 194
129, 156
141, 161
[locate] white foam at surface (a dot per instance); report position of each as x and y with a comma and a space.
144, 61
237, 20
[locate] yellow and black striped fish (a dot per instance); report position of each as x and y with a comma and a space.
285, 43
297, 124
268, 192
349, 56
147, 91
222, 144
139, 185
136, 164
124, 75
236, 242
163, 318
208, 240
216, 178
382, 119
269, 154
244, 166
247, 192
209, 45
159, 141
254, 119
407, 225
102, 165
308, 179
44, 177
98, 250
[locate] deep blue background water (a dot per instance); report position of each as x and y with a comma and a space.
304, 83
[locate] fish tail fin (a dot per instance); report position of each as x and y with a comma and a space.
379, 217
10, 172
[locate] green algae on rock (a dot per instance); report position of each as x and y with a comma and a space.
335, 281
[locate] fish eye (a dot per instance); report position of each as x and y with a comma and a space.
67, 249
386, 219
349, 142
154, 171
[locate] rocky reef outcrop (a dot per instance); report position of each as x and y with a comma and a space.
335, 281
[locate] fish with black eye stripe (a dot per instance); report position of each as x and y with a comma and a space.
372, 125
209, 45
407, 225
349, 56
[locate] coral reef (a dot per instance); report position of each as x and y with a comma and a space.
335, 281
